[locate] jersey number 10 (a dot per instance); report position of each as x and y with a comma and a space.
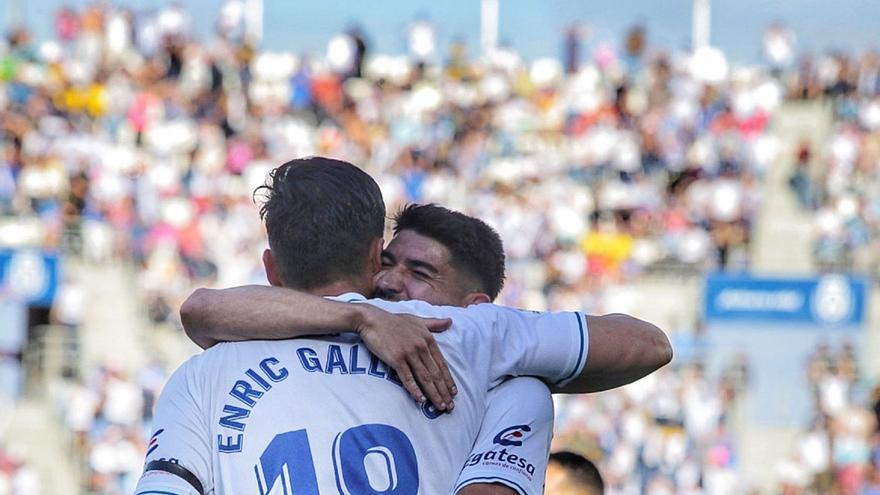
353, 450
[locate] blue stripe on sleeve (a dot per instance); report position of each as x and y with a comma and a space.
580, 359
481, 479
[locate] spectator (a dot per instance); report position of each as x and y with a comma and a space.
569, 474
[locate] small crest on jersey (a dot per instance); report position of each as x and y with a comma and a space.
513, 436
430, 411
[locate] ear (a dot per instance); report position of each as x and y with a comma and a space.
271, 269
476, 298
374, 256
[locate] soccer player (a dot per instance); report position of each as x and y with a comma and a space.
323, 413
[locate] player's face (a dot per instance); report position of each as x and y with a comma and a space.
418, 267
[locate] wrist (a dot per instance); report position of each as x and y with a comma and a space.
359, 317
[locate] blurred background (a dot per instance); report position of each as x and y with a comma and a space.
713, 167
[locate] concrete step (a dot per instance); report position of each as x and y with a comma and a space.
35, 434
114, 325
783, 233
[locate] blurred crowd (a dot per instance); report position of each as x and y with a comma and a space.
839, 179
16, 476
666, 434
670, 433
839, 452
108, 418
125, 137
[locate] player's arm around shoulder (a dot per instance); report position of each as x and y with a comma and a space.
254, 312
578, 353
621, 350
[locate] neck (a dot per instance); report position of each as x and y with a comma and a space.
339, 287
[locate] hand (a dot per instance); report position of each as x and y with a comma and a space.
406, 344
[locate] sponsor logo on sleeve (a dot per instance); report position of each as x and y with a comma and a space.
501, 458
513, 436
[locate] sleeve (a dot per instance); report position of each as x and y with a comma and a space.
178, 459
506, 342
513, 445
529, 343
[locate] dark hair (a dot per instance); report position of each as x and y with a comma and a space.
474, 247
321, 215
580, 470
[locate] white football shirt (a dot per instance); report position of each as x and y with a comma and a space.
323, 415
513, 445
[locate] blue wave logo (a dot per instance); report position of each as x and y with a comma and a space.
513, 436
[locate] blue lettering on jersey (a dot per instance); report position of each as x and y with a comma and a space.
309, 359
243, 391
275, 376
375, 365
234, 413
353, 359
392, 377
503, 459
257, 381
335, 360
229, 446
233, 416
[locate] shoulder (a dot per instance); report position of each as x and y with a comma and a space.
524, 396
195, 371
526, 385
476, 312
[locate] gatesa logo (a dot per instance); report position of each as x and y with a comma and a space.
513, 436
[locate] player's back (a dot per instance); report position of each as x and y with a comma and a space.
321, 415
311, 416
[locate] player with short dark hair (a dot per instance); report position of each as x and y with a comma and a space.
316, 242
475, 250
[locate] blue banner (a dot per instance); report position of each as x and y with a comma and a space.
29, 276
830, 300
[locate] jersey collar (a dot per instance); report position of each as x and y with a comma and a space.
348, 297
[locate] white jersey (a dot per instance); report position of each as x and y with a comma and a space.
513, 445
310, 416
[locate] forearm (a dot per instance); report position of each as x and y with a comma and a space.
257, 312
622, 349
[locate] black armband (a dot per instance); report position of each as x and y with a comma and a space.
176, 470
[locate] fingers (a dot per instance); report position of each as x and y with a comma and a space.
435, 364
445, 373
437, 324
426, 380
409, 382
